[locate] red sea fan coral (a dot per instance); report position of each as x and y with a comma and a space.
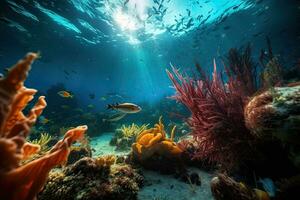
217, 120
23, 182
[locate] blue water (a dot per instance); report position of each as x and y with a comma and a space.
108, 46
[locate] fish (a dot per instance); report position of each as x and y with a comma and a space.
125, 107
65, 106
78, 110
92, 96
103, 98
115, 117
43, 120
91, 106
65, 94
126, 2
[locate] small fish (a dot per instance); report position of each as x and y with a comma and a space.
78, 110
65, 94
103, 98
43, 120
126, 2
115, 117
92, 96
65, 106
91, 106
125, 107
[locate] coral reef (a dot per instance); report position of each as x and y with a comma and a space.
92, 178
224, 188
78, 152
276, 112
19, 181
83, 149
125, 136
154, 141
154, 150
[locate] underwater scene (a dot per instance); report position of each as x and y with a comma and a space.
149, 99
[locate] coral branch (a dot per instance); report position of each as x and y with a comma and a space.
217, 120
24, 182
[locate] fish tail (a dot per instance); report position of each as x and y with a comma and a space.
110, 106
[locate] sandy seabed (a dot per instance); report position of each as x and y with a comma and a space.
158, 186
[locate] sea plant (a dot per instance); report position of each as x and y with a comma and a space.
132, 130
43, 141
217, 109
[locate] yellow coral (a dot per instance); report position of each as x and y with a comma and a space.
132, 130
105, 161
43, 141
154, 141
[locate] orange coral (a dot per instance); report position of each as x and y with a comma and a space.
154, 141
24, 182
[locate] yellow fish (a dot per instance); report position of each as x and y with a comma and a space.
65, 94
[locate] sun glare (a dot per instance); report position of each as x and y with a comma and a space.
125, 21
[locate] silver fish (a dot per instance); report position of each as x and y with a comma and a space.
125, 107
115, 117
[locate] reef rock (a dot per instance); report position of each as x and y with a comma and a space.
78, 152
276, 112
91, 178
225, 188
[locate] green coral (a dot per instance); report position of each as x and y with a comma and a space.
125, 136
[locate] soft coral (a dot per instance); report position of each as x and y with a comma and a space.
217, 120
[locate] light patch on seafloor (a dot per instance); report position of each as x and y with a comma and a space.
167, 187
57, 18
101, 146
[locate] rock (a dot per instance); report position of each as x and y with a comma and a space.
78, 152
195, 178
276, 112
88, 180
225, 188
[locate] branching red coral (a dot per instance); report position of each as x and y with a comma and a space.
24, 182
217, 108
